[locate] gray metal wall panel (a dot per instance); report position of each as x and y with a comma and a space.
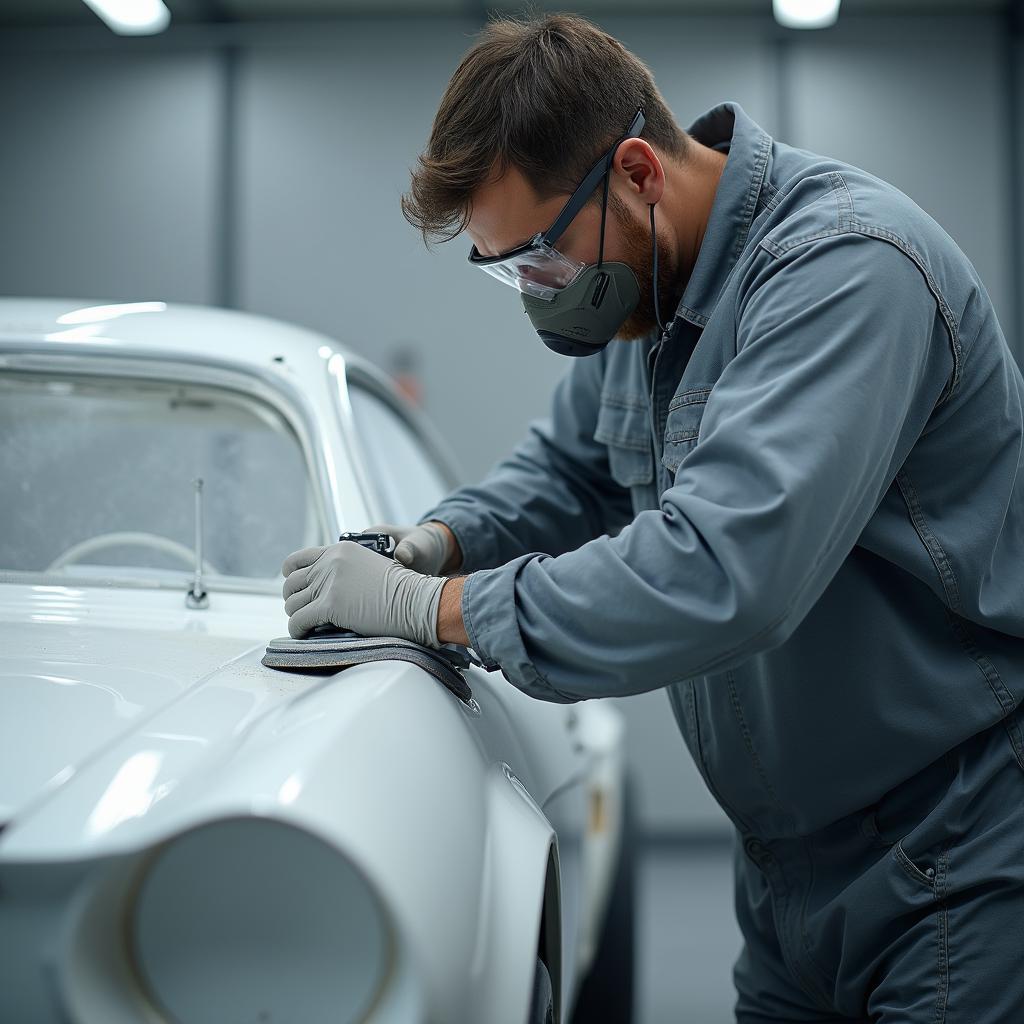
919, 103
107, 173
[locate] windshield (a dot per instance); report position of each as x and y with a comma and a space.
100, 472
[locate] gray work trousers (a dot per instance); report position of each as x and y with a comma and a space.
909, 912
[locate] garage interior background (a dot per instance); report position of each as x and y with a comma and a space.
253, 156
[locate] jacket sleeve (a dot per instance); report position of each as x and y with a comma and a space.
552, 494
842, 354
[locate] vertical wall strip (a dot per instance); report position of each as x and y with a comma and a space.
227, 182
1013, 84
782, 53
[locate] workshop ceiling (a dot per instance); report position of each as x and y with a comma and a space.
74, 12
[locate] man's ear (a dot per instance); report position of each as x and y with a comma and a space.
640, 170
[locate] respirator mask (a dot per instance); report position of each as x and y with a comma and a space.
576, 308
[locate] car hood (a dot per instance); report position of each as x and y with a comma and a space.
128, 718
83, 667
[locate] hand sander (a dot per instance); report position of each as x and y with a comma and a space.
330, 647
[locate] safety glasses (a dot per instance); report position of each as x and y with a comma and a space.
537, 267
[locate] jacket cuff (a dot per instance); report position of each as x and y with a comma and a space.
492, 624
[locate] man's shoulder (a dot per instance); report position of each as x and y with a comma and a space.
817, 197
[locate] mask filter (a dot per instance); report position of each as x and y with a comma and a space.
583, 317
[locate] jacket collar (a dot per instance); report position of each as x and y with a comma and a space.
726, 128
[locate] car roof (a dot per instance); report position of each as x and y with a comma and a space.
172, 328
165, 330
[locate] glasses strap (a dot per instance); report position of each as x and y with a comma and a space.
590, 182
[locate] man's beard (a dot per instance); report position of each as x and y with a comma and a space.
636, 240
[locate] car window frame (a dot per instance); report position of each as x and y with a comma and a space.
375, 383
171, 370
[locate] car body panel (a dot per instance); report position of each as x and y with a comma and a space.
131, 719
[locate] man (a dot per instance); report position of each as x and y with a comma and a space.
796, 505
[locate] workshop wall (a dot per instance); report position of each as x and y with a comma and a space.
262, 168
107, 172
926, 108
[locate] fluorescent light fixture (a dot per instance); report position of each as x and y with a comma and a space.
132, 17
806, 13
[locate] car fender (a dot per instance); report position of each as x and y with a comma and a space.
520, 847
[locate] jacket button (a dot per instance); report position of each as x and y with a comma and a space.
754, 847
930, 872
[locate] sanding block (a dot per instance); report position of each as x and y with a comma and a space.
340, 649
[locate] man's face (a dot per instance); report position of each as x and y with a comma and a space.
507, 212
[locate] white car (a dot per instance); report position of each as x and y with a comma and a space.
187, 835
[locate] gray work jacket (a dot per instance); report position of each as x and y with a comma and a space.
801, 510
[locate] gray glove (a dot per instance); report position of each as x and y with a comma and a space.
349, 586
426, 548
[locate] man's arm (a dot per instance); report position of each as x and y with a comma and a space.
552, 494
842, 355
450, 627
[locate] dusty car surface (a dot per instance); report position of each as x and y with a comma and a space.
188, 835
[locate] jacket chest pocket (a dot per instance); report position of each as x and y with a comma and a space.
682, 426
623, 427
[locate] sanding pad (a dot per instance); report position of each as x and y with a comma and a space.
342, 649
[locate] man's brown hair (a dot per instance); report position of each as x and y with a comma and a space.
547, 95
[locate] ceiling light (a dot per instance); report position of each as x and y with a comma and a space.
132, 17
806, 13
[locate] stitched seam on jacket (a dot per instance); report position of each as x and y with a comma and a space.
750, 200
748, 742
828, 977
995, 682
773, 195
942, 987
839, 191
952, 324
471, 631
942, 925
908, 866
675, 436
796, 967
780, 250
957, 624
858, 227
696, 396
932, 544
630, 441
538, 675
705, 772
1013, 731
623, 400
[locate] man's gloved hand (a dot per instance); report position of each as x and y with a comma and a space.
428, 548
349, 586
